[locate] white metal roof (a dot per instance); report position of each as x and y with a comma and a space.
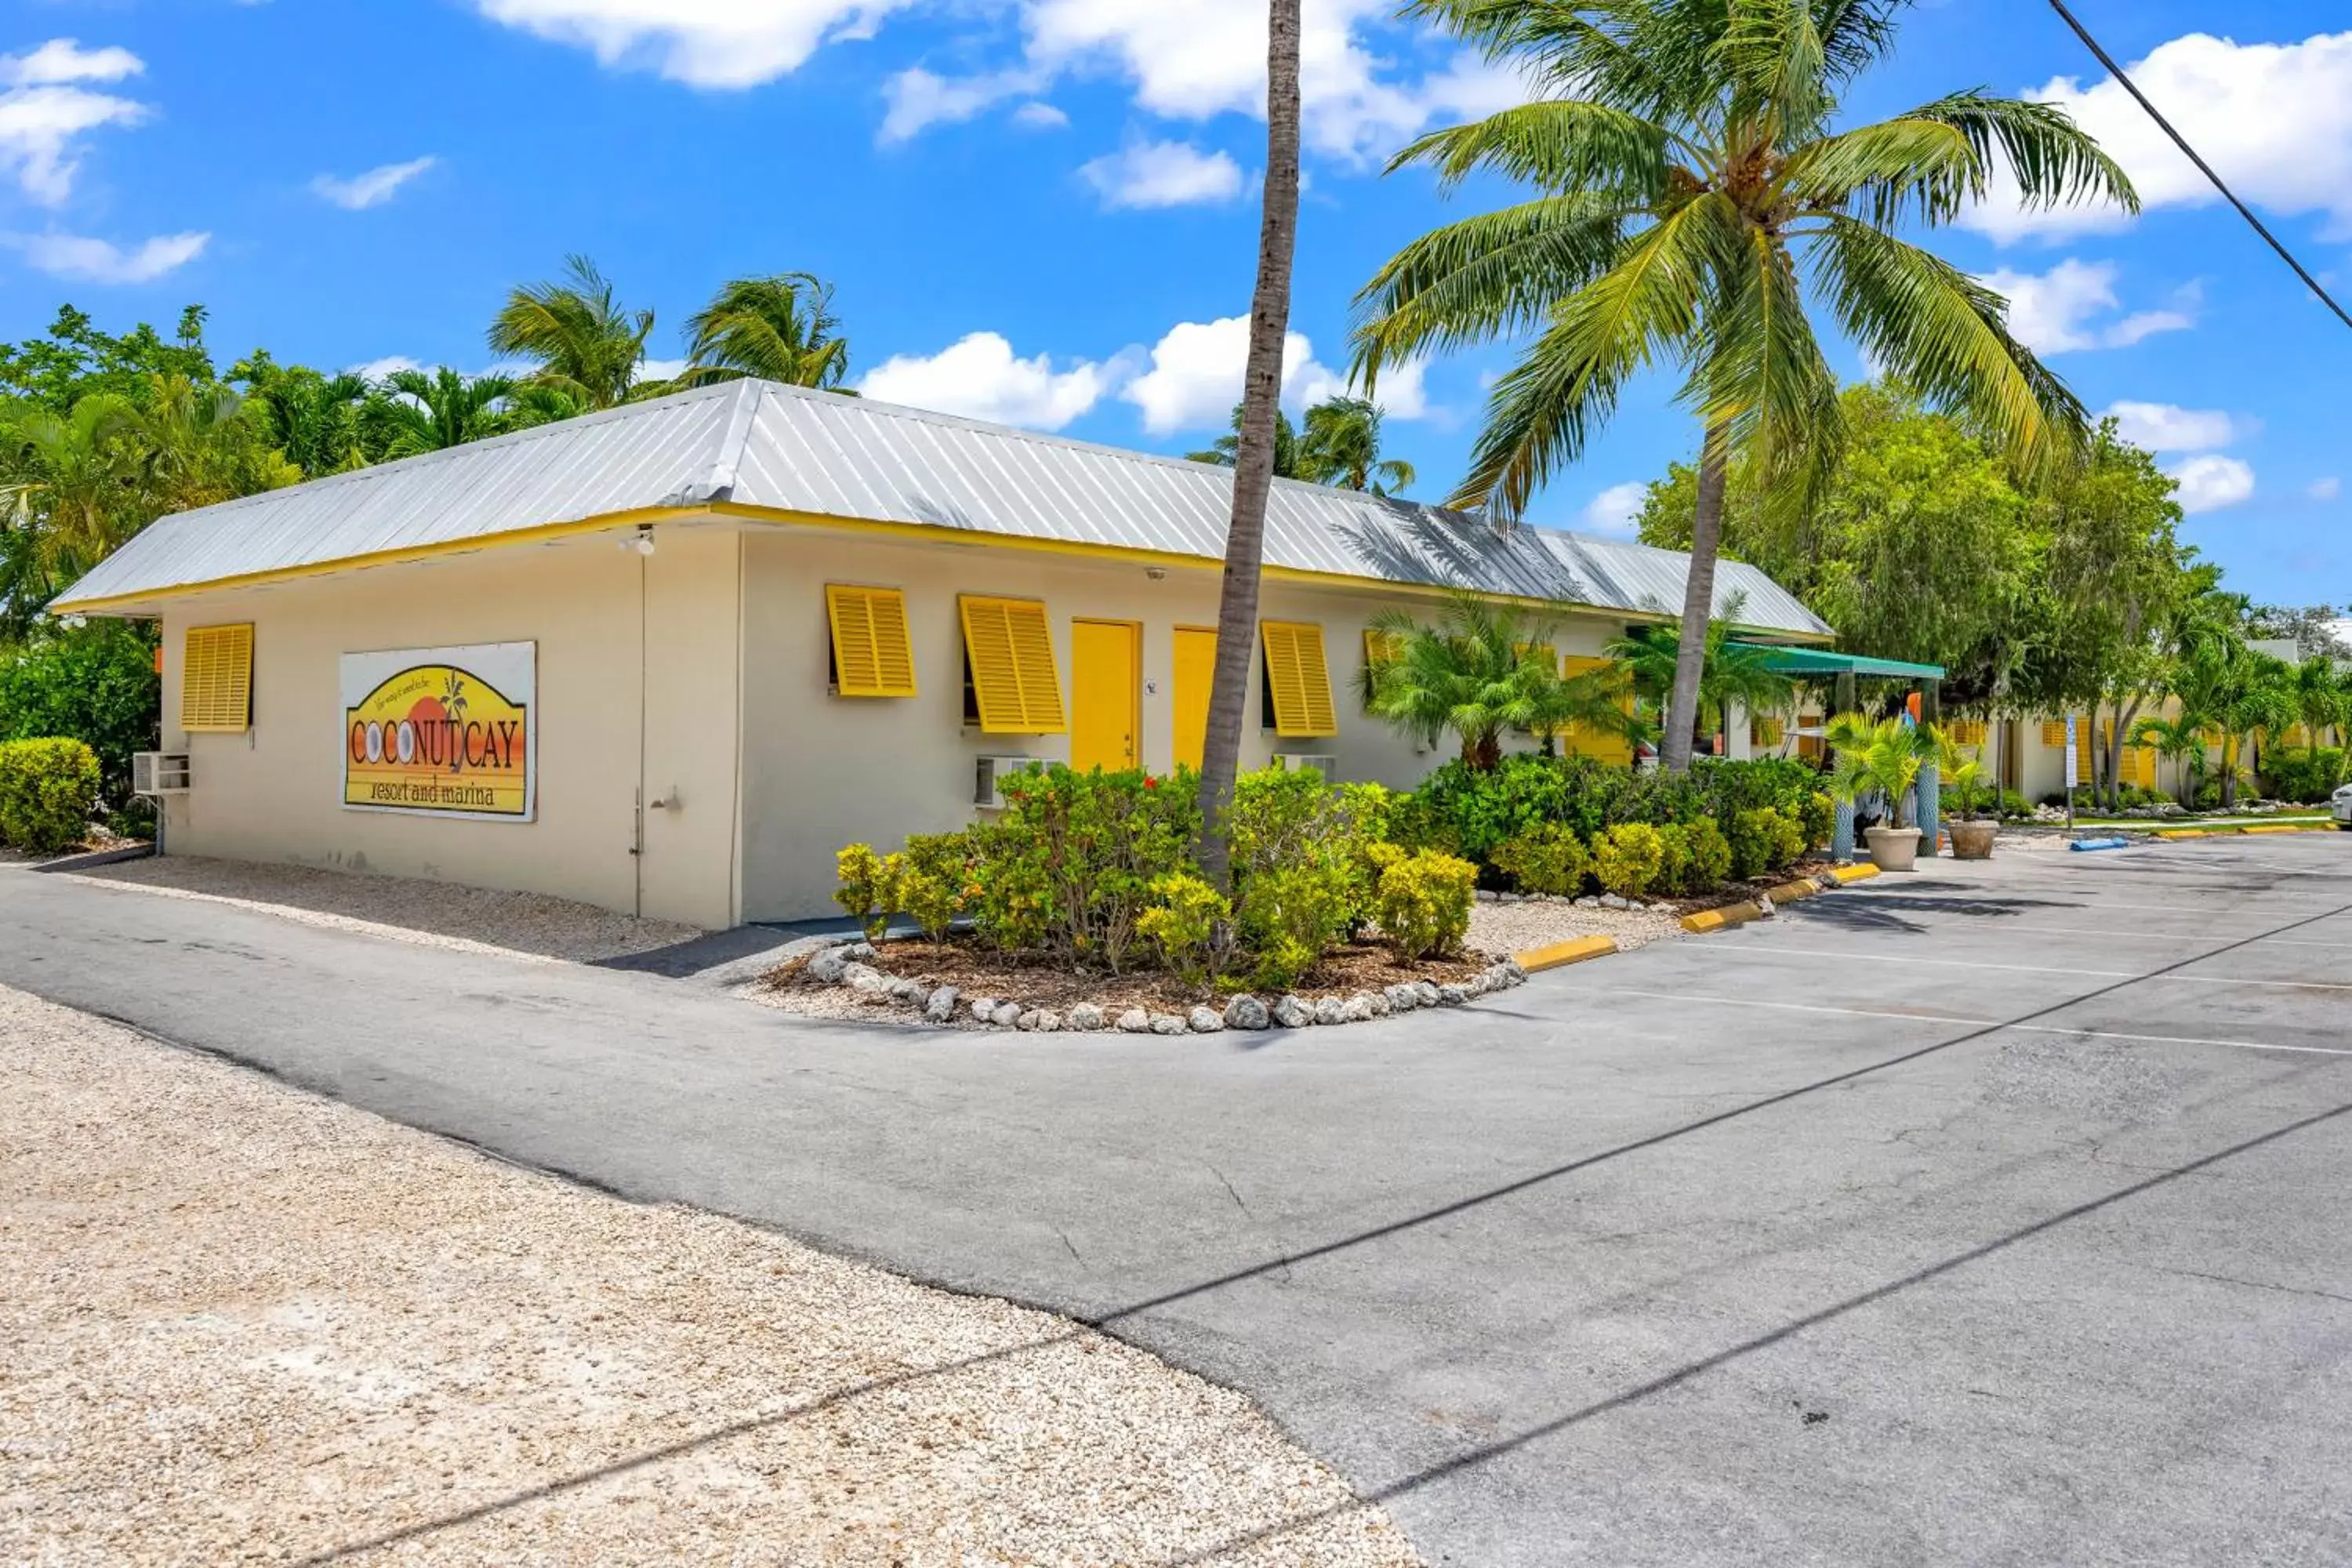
788, 449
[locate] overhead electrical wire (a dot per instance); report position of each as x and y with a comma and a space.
2182, 143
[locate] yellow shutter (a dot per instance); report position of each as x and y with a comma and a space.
1971, 733
872, 655
1762, 730
216, 678
1012, 672
1582, 740
2053, 733
1300, 679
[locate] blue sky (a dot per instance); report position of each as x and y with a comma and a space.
1040, 210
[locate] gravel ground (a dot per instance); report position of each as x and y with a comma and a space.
405, 909
246, 1325
1514, 928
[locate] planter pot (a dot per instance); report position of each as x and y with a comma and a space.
1893, 848
1972, 839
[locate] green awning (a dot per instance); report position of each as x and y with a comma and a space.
1821, 661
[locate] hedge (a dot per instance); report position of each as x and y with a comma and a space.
48, 790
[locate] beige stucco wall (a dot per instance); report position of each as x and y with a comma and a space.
821, 770
615, 630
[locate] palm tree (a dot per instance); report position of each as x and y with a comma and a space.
80, 470
1879, 757
1482, 671
2180, 741
780, 327
1226, 448
585, 342
420, 413
1683, 158
1342, 446
1728, 672
2323, 700
1229, 694
314, 419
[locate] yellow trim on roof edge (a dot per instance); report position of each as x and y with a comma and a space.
921, 532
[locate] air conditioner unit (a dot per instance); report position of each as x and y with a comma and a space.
1323, 762
991, 772
158, 772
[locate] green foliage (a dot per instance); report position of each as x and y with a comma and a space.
1482, 671
96, 684
934, 886
780, 327
584, 341
1190, 926
1695, 858
1879, 758
1424, 903
1545, 858
1068, 868
2304, 777
1627, 859
48, 790
1298, 863
869, 887
1817, 818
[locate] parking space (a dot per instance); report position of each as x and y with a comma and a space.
1982, 1215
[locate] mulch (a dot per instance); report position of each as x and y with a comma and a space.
975, 969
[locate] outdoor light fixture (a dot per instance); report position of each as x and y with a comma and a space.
645, 544
1156, 573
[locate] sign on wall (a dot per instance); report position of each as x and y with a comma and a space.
445, 731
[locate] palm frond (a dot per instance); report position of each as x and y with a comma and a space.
1555, 143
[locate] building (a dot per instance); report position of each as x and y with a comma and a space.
669, 657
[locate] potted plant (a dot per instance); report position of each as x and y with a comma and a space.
1881, 758
1973, 828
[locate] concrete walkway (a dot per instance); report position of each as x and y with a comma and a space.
1990, 1214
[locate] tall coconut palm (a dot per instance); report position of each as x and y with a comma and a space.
1229, 694
779, 328
1684, 164
420, 413
581, 338
1341, 447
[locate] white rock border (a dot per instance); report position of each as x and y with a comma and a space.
844, 963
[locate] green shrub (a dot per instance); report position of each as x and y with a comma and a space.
1425, 903
1817, 816
48, 789
1287, 917
1783, 838
1753, 840
1627, 859
934, 886
1301, 860
1545, 858
1706, 856
1190, 926
1068, 867
869, 887
2306, 780
96, 684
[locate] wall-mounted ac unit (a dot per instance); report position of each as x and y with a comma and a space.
158, 772
991, 772
1323, 762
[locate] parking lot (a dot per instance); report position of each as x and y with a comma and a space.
1990, 1214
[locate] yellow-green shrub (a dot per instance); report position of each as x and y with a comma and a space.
1818, 815
934, 885
48, 790
1696, 857
1425, 903
869, 887
1545, 858
1192, 926
1627, 859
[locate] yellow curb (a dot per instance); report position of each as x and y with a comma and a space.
2170, 833
1572, 952
1789, 892
2281, 828
1716, 919
1862, 873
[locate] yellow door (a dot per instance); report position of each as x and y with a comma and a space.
1103, 694
1196, 664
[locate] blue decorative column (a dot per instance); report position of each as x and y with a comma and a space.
1929, 800
1842, 837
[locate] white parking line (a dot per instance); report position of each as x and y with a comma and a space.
1979, 1022
1752, 949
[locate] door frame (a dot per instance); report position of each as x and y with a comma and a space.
1134, 630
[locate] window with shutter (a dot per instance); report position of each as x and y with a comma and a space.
872, 654
1009, 651
216, 678
1298, 679
2053, 733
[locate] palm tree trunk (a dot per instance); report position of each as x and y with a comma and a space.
1698, 601
1254, 457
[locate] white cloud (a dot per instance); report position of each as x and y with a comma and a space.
43, 115
2328, 489
101, 262
371, 189
918, 98
980, 377
1615, 509
2275, 120
1162, 174
2211, 482
1039, 115
1195, 378
2058, 311
660, 369
377, 369
703, 42
2167, 428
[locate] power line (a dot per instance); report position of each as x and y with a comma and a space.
2182, 143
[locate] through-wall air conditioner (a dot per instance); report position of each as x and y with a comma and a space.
1323, 762
992, 771
158, 772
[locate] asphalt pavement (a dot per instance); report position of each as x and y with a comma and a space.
1994, 1214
